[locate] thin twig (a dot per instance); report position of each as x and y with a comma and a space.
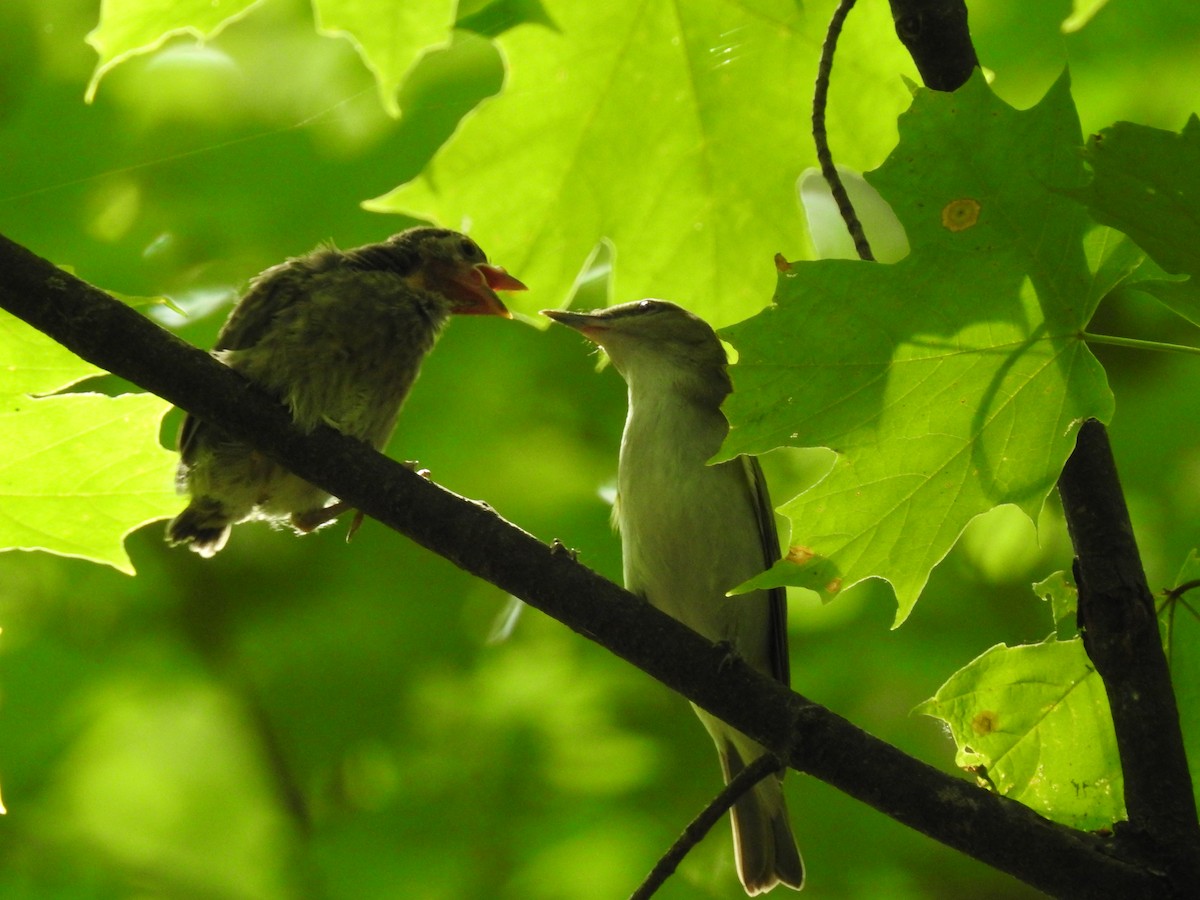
821, 137
1176, 592
742, 783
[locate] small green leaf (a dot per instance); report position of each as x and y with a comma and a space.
129, 27
1036, 718
81, 470
390, 36
1063, 596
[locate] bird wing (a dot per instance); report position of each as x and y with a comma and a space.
777, 597
269, 294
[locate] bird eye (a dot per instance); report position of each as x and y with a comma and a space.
470, 249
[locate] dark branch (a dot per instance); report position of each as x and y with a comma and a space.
1120, 632
703, 823
806, 736
935, 34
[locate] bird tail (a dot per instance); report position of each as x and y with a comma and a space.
204, 527
763, 843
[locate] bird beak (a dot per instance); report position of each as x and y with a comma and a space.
478, 286
585, 323
499, 280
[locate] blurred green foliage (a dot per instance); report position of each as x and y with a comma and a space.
306, 718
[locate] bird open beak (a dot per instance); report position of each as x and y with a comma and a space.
477, 291
499, 280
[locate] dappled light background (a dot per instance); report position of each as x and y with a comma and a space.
311, 718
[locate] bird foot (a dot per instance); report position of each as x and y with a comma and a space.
355, 524
311, 520
558, 548
731, 655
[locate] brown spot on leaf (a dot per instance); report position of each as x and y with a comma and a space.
961, 214
986, 722
799, 555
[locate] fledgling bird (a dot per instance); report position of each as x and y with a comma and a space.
691, 531
339, 337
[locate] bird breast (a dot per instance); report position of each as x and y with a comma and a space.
689, 531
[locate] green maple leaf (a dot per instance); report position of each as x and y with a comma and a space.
1034, 722
129, 27
390, 36
81, 470
674, 131
952, 381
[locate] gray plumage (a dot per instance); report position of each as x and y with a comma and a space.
339, 337
691, 531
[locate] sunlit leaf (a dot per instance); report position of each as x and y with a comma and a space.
129, 27
675, 131
1035, 721
34, 364
80, 471
390, 36
1063, 596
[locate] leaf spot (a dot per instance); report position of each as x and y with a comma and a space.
961, 214
799, 555
986, 722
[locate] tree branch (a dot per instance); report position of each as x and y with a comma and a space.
935, 34
1121, 636
742, 783
805, 735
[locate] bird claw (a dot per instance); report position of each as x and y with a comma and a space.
558, 548
413, 466
313, 519
310, 520
355, 524
731, 655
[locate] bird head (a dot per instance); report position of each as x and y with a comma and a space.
654, 340
444, 262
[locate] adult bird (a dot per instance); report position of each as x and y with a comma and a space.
691, 531
339, 337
